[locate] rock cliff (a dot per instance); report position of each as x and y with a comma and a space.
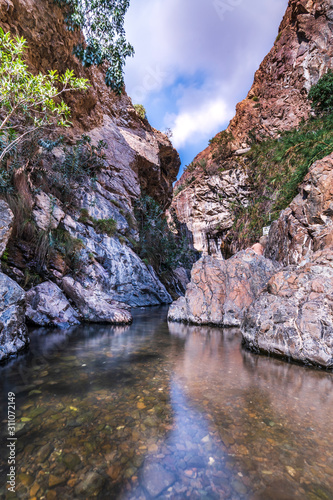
293, 316
97, 268
13, 331
218, 180
283, 299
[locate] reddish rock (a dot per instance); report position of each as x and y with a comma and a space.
277, 101
258, 249
221, 289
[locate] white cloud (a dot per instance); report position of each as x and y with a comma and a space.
188, 57
193, 125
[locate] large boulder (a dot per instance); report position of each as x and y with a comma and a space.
48, 306
6, 222
96, 306
293, 317
220, 290
13, 332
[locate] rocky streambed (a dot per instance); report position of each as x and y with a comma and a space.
158, 410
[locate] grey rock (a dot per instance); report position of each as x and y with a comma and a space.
155, 478
6, 222
116, 271
48, 306
13, 331
90, 485
293, 317
96, 306
207, 207
220, 290
47, 211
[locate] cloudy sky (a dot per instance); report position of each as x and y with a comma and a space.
194, 60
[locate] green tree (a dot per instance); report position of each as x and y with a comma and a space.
321, 94
29, 102
102, 22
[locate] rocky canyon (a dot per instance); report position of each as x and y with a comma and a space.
260, 218
281, 297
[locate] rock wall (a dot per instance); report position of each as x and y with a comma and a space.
220, 290
217, 182
138, 158
293, 317
306, 225
13, 332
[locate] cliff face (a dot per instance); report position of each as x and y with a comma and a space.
138, 158
218, 181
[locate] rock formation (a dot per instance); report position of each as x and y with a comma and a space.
98, 268
217, 181
13, 332
293, 316
48, 306
220, 290
306, 225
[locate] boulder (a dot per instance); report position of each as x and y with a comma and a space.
220, 290
6, 222
13, 332
96, 306
293, 317
48, 306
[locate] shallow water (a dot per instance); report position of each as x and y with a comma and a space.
176, 411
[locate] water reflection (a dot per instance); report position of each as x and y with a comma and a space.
168, 411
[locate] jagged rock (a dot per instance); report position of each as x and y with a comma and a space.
115, 270
221, 289
306, 225
94, 305
277, 101
47, 212
293, 317
137, 158
48, 306
6, 222
206, 207
13, 332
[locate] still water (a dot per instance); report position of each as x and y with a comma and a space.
164, 411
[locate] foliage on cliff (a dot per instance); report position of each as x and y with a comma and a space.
276, 168
163, 245
102, 22
321, 94
29, 104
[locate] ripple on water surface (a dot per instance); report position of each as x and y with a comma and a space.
157, 411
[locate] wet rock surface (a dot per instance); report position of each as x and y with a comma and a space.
46, 305
13, 332
181, 408
293, 317
220, 290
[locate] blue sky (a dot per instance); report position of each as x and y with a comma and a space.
194, 60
